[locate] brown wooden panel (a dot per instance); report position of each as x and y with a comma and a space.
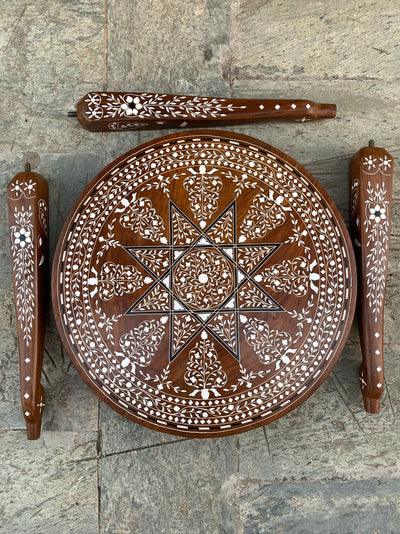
371, 191
118, 111
28, 200
204, 284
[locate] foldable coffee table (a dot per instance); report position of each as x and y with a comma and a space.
204, 284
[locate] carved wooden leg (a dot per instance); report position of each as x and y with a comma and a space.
120, 111
371, 185
28, 222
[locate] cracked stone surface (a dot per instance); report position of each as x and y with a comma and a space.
327, 466
49, 485
174, 482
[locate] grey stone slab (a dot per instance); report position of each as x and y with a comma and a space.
325, 467
178, 47
70, 404
48, 485
336, 507
10, 411
119, 434
10, 407
9, 20
308, 39
118, 143
392, 299
52, 55
68, 174
180, 487
330, 436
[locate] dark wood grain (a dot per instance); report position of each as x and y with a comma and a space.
28, 222
371, 189
204, 284
121, 111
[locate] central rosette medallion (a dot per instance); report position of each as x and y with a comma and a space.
203, 279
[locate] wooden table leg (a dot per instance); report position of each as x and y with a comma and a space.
28, 223
371, 186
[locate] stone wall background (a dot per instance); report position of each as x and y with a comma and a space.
326, 467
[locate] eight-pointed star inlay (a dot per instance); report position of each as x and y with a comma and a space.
203, 279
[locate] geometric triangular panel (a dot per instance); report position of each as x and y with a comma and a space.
183, 231
184, 326
250, 296
156, 259
222, 231
203, 278
203, 316
250, 257
223, 325
155, 300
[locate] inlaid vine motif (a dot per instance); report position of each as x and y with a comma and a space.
199, 289
107, 322
377, 228
224, 325
265, 213
374, 165
203, 278
204, 371
24, 188
269, 344
155, 106
293, 277
140, 344
140, 216
22, 255
115, 280
203, 188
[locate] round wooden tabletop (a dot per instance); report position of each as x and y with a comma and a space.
204, 284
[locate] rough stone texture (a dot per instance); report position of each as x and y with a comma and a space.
178, 487
317, 507
329, 436
49, 485
52, 55
307, 39
325, 467
170, 46
120, 435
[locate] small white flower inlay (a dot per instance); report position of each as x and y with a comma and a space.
369, 162
132, 105
22, 237
377, 213
385, 163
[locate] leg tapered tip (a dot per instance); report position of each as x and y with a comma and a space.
371, 405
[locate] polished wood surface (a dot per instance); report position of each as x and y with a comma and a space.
204, 284
28, 222
119, 111
371, 189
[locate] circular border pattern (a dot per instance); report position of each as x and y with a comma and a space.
106, 192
